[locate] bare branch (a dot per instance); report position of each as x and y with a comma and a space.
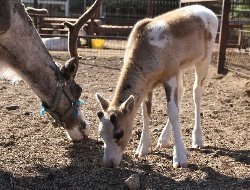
75, 28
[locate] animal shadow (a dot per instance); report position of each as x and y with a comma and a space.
242, 156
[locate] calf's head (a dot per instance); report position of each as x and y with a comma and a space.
115, 128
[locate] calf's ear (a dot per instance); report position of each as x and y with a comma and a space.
103, 102
128, 105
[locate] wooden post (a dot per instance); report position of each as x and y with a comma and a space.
35, 18
98, 12
223, 36
91, 24
150, 8
180, 3
240, 39
35, 4
84, 5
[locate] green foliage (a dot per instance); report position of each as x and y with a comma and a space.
240, 9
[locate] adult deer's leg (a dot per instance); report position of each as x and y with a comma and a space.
171, 88
200, 75
165, 137
145, 140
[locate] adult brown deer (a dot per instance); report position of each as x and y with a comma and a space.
158, 51
22, 50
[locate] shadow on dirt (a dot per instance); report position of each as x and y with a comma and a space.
242, 156
212, 180
86, 171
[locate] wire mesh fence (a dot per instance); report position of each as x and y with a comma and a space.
238, 51
106, 34
111, 24
136, 9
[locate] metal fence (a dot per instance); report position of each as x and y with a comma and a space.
110, 8
115, 19
60, 8
112, 23
238, 51
136, 9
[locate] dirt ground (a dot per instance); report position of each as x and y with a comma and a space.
36, 155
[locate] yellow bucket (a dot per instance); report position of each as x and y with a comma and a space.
97, 43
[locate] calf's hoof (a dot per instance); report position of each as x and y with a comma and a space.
180, 165
141, 154
180, 161
163, 144
197, 145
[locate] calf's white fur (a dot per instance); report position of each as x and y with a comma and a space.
158, 52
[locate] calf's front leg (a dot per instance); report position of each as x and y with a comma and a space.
171, 89
145, 140
165, 137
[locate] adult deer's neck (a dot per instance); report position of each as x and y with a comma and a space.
39, 72
27, 55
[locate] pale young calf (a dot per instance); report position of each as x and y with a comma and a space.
158, 52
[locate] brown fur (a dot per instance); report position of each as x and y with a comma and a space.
148, 103
181, 26
22, 50
4, 16
19, 7
124, 84
139, 53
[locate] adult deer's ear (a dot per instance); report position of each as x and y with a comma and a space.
76, 91
69, 67
103, 102
128, 105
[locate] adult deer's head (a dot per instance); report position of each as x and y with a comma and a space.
22, 50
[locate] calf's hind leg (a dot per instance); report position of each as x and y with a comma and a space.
201, 70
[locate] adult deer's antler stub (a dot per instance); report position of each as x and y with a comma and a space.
38, 12
75, 28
